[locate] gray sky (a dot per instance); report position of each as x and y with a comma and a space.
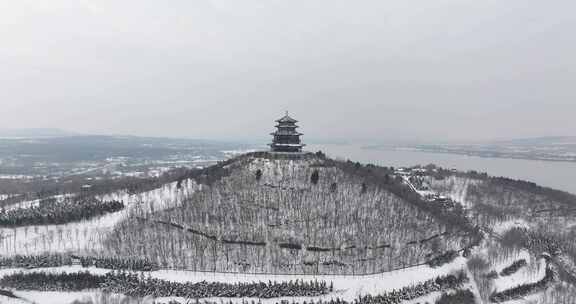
442, 69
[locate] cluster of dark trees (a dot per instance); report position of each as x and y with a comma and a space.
458, 297
526, 289
315, 177
133, 284
42, 281
534, 241
443, 259
492, 275
53, 212
513, 268
443, 283
35, 261
124, 263
57, 260
138, 286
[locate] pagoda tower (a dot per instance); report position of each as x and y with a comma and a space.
286, 138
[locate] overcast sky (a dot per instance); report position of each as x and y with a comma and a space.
372, 70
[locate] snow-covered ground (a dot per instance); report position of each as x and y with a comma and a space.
52, 297
84, 297
7, 300
501, 227
530, 299
88, 235
345, 287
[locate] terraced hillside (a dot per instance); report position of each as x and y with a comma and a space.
264, 213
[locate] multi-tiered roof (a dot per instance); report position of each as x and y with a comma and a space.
286, 138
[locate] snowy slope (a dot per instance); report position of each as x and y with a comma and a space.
88, 235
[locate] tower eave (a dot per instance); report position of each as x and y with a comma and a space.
287, 120
286, 126
281, 133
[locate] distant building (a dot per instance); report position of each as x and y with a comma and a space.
286, 138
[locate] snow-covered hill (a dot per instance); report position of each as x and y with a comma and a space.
260, 217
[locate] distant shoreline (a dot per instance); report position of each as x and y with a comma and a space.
501, 155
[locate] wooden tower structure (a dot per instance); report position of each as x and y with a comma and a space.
286, 138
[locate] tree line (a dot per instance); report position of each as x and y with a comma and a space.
135, 285
442, 284
53, 212
58, 260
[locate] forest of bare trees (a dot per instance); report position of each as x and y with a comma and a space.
285, 216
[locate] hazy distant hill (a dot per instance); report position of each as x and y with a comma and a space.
553, 148
540, 141
34, 133
74, 154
